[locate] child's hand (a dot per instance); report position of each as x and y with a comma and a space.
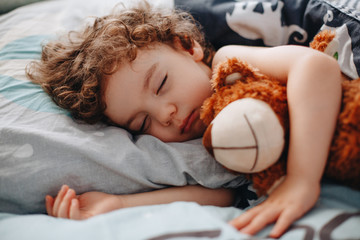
289, 201
68, 205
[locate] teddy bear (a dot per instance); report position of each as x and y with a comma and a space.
248, 124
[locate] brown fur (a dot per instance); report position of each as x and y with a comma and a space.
344, 157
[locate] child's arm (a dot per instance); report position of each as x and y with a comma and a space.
314, 95
68, 205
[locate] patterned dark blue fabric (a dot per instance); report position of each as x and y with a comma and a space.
279, 22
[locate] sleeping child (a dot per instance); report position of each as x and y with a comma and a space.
148, 70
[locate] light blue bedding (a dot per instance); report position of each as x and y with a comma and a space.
336, 216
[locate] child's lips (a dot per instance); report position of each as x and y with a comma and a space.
186, 126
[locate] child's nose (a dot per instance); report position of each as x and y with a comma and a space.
166, 114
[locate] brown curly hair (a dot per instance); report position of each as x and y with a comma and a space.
72, 69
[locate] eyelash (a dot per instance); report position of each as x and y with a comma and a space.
142, 128
162, 84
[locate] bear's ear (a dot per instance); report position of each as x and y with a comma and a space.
231, 71
322, 40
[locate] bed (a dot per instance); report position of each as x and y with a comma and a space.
42, 147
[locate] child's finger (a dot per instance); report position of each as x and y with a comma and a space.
74, 212
65, 204
59, 199
245, 218
284, 221
49, 203
260, 221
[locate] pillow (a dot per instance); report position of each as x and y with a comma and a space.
42, 147
8, 5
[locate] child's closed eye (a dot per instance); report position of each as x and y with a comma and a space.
147, 120
162, 84
145, 125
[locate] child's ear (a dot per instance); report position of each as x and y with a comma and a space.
196, 51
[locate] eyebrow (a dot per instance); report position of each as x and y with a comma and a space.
148, 77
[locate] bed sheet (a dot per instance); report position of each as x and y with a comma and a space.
336, 216
275, 22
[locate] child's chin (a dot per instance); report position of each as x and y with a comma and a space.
199, 130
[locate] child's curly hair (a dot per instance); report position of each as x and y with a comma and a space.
72, 70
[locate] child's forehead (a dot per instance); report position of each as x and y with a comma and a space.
152, 51
156, 46
145, 56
